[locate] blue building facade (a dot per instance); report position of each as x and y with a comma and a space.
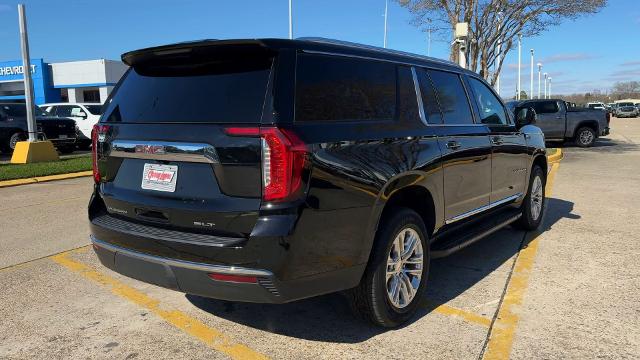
12, 81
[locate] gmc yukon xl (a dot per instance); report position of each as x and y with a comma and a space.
275, 170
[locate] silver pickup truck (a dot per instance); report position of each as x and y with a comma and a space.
561, 123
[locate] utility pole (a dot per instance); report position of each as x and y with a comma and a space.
26, 65
539, 73
386, 11
549, 92
290, 22
531, 79
461, 34
545, 85
496, 65
519, 65
429, 41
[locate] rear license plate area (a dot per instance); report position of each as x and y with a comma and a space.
159, 177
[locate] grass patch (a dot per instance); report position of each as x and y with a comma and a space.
64, 166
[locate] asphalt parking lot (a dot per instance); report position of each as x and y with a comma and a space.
569, 290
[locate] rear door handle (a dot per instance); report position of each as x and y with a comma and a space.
453, 145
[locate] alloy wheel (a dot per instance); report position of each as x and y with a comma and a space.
404, 267
586, 137
536, 198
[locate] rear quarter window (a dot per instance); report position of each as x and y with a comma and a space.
333, 88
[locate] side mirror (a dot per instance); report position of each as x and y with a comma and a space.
82, 114
525, 116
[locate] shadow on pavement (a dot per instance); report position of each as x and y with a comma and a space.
328, 318
601, 144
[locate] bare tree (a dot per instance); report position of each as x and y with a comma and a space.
626, 89
493, 22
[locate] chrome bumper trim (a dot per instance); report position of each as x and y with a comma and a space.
220, 269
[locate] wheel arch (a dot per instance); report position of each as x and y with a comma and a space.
593, 124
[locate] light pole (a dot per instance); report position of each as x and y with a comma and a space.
26, 65
386, 11
531, 79
496, 65
429, 41
545, 84
519, 64
539, 73
290, 22
549, 91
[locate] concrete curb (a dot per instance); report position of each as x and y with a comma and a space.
39, 179
555, 157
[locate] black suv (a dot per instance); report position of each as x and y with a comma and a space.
275, 170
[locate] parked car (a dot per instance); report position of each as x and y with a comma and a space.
13, 128
85, 114
626, 109
286, 169
561, 123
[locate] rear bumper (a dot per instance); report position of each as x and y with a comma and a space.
605, 132
193, 277
186, 276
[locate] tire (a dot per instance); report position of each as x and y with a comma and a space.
585, 137
534, 203
13, 139
371, 300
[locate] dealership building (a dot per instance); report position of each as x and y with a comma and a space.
74, 81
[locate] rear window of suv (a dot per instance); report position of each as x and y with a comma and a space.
214, 91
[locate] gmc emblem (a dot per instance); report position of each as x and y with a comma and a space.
150, 149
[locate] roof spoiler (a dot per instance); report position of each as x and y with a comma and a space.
135, 57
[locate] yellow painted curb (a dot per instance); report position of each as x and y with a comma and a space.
40, 179
555, 157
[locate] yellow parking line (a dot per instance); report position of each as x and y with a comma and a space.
501, 339
79, 249
39, 179
192, 326
463, 314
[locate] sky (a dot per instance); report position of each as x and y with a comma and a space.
587, 54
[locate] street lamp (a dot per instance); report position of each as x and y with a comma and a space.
539, 73
386, 8
290, 22
519, 63
531, 78
545, 84
549, 91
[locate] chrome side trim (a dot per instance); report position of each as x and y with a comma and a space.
483, 208
221, 269
416, 86
165, 150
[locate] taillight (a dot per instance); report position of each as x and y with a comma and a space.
97, 132
283, 158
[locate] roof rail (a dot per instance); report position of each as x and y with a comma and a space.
375, 48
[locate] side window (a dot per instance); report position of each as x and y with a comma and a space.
339, 88
490, 109
76, 110
546, 107
451, 97
407, 101
429, 100
63, 111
